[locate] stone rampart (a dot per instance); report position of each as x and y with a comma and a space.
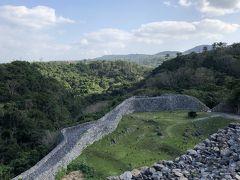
215, 158
224, 107
77, 138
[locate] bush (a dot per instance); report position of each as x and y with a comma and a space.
85, 169
5, 172
192, 114
60, 174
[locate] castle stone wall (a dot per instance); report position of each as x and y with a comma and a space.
217, 157
76, 139
224, 107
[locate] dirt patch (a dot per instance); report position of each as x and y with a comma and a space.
75, 175
96, 107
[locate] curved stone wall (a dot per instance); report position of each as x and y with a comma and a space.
224, 107
77, 138
217, 157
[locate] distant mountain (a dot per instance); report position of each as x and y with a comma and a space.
124, 57
198, 49
143, 59
164, 53
152, 60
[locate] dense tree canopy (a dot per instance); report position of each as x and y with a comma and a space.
38, 99
206, 75
94, 77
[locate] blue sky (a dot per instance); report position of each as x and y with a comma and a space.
69, 30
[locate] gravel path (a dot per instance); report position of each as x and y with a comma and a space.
226, 115
218, 114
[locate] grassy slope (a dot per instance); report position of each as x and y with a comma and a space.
142, 139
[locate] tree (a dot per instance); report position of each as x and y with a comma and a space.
179, 54
235, 99
167, 56
12, 85
205, 49
192, 114
219, 45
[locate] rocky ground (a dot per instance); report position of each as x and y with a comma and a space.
75, 175
218, 157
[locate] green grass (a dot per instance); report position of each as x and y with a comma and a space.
142, 139
60, 174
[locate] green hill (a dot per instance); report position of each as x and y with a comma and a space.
94, 77
142, 59
155, 59
38, 99
210, 76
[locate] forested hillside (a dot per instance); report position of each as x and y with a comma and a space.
32, 109
212, 76
94, 77
38, 99
142, 59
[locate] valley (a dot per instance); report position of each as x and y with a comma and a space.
144, 138
39, 99
42, 98
120, 90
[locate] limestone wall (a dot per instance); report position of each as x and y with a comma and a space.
224, 107
168, 103
217, 157
77, 138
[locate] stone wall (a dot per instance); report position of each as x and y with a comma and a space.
168, 103
224, 107
77, 138
215, 158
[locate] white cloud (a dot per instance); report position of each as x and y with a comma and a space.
113, 41
161, 31
213, 7
215, 26
167, 3
106, 34
37, 17
29, 33
155, 33
186, 3
23, 33
20, 43
219, 7
163, 27
105, 40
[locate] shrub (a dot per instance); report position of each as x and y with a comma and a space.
85, 169
60, 174
192, 114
